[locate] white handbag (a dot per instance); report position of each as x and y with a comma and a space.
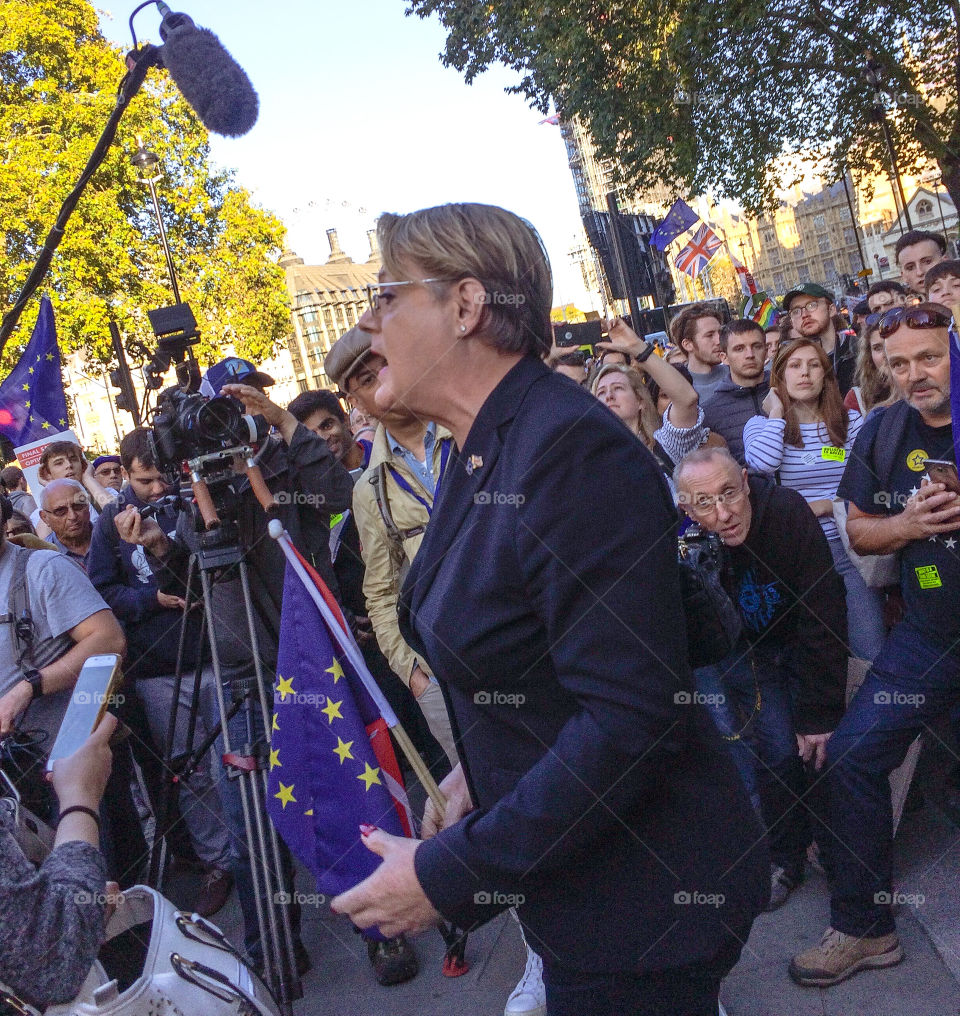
187, 966
877, 570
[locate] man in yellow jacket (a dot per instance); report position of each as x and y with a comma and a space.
392, 503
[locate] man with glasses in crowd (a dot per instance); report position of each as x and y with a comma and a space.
814, 315
109, 471
65, 508
894, 508
788, 673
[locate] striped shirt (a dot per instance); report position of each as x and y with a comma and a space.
813, 470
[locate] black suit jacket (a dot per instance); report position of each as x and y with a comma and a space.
546, 598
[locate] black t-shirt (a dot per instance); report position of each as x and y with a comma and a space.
929, 569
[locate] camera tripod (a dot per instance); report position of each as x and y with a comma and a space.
215, 549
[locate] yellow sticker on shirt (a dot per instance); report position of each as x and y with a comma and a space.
831, 454
928, 576
915, 460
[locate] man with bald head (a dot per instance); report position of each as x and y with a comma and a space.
787, 674
65, 508
895, 507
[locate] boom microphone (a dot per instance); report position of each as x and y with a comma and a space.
213, 83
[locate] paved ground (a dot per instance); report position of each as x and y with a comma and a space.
927, 983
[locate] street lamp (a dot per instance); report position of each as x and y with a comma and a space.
880, 117
146, 163
934, 176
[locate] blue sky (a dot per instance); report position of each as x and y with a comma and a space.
358, 116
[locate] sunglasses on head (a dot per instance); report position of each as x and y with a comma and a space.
924, 315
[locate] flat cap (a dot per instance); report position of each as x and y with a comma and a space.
346, 355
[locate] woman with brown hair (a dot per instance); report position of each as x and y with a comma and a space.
872, 386
805, 440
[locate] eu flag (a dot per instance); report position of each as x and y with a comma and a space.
678, 220
32, 403
332, 765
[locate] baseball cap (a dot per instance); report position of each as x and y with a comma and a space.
232, 371
100, 459
346, 355
813, 289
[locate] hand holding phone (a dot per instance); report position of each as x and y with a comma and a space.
943, 471
94, 691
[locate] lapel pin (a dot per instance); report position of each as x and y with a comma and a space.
474, 462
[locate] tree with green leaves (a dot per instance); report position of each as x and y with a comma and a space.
731, 96
58, 85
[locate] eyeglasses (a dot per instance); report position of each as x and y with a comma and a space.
374, 295
807, 308
924, 315
78, 508
707, 504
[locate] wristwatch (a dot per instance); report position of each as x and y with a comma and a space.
645, 355
34, 678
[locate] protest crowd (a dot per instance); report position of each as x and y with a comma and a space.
522, 541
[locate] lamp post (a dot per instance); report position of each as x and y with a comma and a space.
146, 162
880, 117
934, 176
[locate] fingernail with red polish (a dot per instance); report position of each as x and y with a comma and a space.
366, 830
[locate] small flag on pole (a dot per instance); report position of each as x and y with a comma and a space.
698, 253
32, 403
679, 219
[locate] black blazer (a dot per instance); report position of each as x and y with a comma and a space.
546, 598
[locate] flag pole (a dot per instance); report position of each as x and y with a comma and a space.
352, 652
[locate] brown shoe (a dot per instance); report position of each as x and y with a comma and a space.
839, 956
214, 891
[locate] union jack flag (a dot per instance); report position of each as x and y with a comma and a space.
693, 258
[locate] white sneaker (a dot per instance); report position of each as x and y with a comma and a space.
529, 997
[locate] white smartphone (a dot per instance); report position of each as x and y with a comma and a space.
94, 691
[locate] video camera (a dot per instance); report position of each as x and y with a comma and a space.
188, 425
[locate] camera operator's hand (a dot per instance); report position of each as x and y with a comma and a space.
80, 779
622, 339
133, 528
170, 602
255, 402
772, 405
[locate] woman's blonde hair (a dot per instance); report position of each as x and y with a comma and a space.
875, 388
484, 242
649, 418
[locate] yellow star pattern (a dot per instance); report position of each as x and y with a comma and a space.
276, 726
310, 813
275, 759
284, 687
44, 425
343, 750
332, 710
26, 388
285, 795
49, 356
62, 423
29, 370
336, 670
369, 776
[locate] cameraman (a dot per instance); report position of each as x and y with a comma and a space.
152, 620
313, 485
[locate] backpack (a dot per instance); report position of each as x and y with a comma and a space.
714, 624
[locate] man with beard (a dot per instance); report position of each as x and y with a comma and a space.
894, 507
813, 314
737, 399
696, 330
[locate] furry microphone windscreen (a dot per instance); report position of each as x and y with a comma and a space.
214, 84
